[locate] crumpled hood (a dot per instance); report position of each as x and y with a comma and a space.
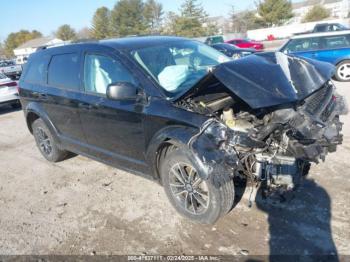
270, 79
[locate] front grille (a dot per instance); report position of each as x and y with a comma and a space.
328, 110
315, 101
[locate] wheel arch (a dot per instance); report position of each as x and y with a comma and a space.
173, 136
34, 111
30, 118
341, 60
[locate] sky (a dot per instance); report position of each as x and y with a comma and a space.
47, 15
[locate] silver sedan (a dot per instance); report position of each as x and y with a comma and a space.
8, 91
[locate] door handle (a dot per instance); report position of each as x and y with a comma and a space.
40, 95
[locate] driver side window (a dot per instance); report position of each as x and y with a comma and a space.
100, 71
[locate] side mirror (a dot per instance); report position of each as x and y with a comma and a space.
121, 91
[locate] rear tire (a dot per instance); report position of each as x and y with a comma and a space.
46, 143
202, 201
343, 71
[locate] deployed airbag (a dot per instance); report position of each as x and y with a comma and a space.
173, 76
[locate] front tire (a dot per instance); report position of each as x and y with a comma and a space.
46, 143
343, 71
202, 201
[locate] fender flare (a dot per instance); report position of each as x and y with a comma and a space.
38, 110
176, 135
340, 60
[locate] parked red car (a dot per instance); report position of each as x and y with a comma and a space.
246, 43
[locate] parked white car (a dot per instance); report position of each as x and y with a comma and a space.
10, 69
8, 91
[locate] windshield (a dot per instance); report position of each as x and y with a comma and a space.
179, 65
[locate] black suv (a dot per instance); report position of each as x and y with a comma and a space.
184, 114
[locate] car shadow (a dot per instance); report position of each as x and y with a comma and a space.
6, 109
302, 226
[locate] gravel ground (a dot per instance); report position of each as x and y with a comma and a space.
80, 206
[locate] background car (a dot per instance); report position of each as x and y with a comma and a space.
233, 51
8, 91
325, 27
246, 43
10, 69
331, 47
214, 39
329, 27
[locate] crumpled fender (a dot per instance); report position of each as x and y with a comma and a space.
205, 152
176, 135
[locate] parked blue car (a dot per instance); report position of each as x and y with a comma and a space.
331, 47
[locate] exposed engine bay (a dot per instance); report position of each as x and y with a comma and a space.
270, 145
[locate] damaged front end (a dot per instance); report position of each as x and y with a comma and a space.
267, 127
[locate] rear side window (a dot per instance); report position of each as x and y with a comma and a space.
36, 70
64, 71
337, 41
321, 28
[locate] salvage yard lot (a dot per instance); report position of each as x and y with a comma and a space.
80, 206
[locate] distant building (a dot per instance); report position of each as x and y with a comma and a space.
23, 51
337, 8
217, 21
222, 23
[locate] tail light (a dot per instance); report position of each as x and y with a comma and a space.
9, 84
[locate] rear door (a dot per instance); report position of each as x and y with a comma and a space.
62, 94
334, 48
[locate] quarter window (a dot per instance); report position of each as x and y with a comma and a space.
36, 70
337, 41
64, 71
100, 71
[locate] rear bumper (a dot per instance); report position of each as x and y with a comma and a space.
12, 73
9, 97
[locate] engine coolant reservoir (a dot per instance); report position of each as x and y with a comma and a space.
228, 117
232, 122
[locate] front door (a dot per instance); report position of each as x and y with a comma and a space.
113, 129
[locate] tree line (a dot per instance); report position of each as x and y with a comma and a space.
145, 17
